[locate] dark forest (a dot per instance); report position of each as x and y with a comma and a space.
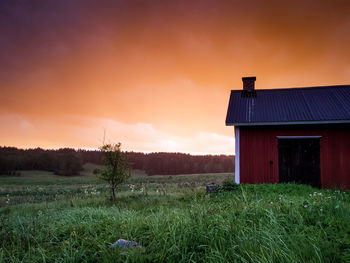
68, 162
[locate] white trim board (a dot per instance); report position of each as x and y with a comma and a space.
237, 176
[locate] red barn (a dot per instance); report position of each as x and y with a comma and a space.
297, 135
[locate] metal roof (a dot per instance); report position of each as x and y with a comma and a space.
329, 104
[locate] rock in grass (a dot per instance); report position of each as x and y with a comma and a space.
122, 243
211, 187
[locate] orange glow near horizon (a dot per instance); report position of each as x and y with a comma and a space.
156, 75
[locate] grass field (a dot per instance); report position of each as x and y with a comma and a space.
47, 218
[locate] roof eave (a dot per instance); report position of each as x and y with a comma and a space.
286, 123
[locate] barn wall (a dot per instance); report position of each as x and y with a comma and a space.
338, 158
259, 147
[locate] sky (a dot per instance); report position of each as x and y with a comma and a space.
156, 75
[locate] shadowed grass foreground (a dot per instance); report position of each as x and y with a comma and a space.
254, 223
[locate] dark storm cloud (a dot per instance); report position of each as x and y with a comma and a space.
65, 65
36, 32
59, 38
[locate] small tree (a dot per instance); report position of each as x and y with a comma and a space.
117, 168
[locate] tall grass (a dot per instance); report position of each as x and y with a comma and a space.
254, 223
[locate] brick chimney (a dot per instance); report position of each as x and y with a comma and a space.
248, 87
249, 83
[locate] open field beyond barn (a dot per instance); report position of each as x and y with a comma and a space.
48, 218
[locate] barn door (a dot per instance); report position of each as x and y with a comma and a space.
299, 161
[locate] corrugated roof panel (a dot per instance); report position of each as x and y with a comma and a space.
329, 103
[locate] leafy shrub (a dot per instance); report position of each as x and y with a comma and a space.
226, 186
117, 169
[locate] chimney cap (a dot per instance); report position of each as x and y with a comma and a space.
248, 78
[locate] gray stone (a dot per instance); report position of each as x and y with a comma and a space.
211, 187
124, 244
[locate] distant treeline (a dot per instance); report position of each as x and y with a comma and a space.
170, 163
62, 162
69, 161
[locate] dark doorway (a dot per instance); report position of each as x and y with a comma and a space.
299, 161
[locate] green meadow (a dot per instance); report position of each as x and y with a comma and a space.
50, 218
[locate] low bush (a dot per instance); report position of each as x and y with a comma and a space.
226, 186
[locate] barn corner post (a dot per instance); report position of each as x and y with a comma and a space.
237, 176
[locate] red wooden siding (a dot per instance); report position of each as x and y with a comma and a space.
259, 146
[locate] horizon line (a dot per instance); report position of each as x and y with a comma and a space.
97, 149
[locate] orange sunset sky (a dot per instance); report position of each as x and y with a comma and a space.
156, 75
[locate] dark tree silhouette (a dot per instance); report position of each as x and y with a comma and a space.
69, 161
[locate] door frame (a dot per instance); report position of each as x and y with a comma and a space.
300, 137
